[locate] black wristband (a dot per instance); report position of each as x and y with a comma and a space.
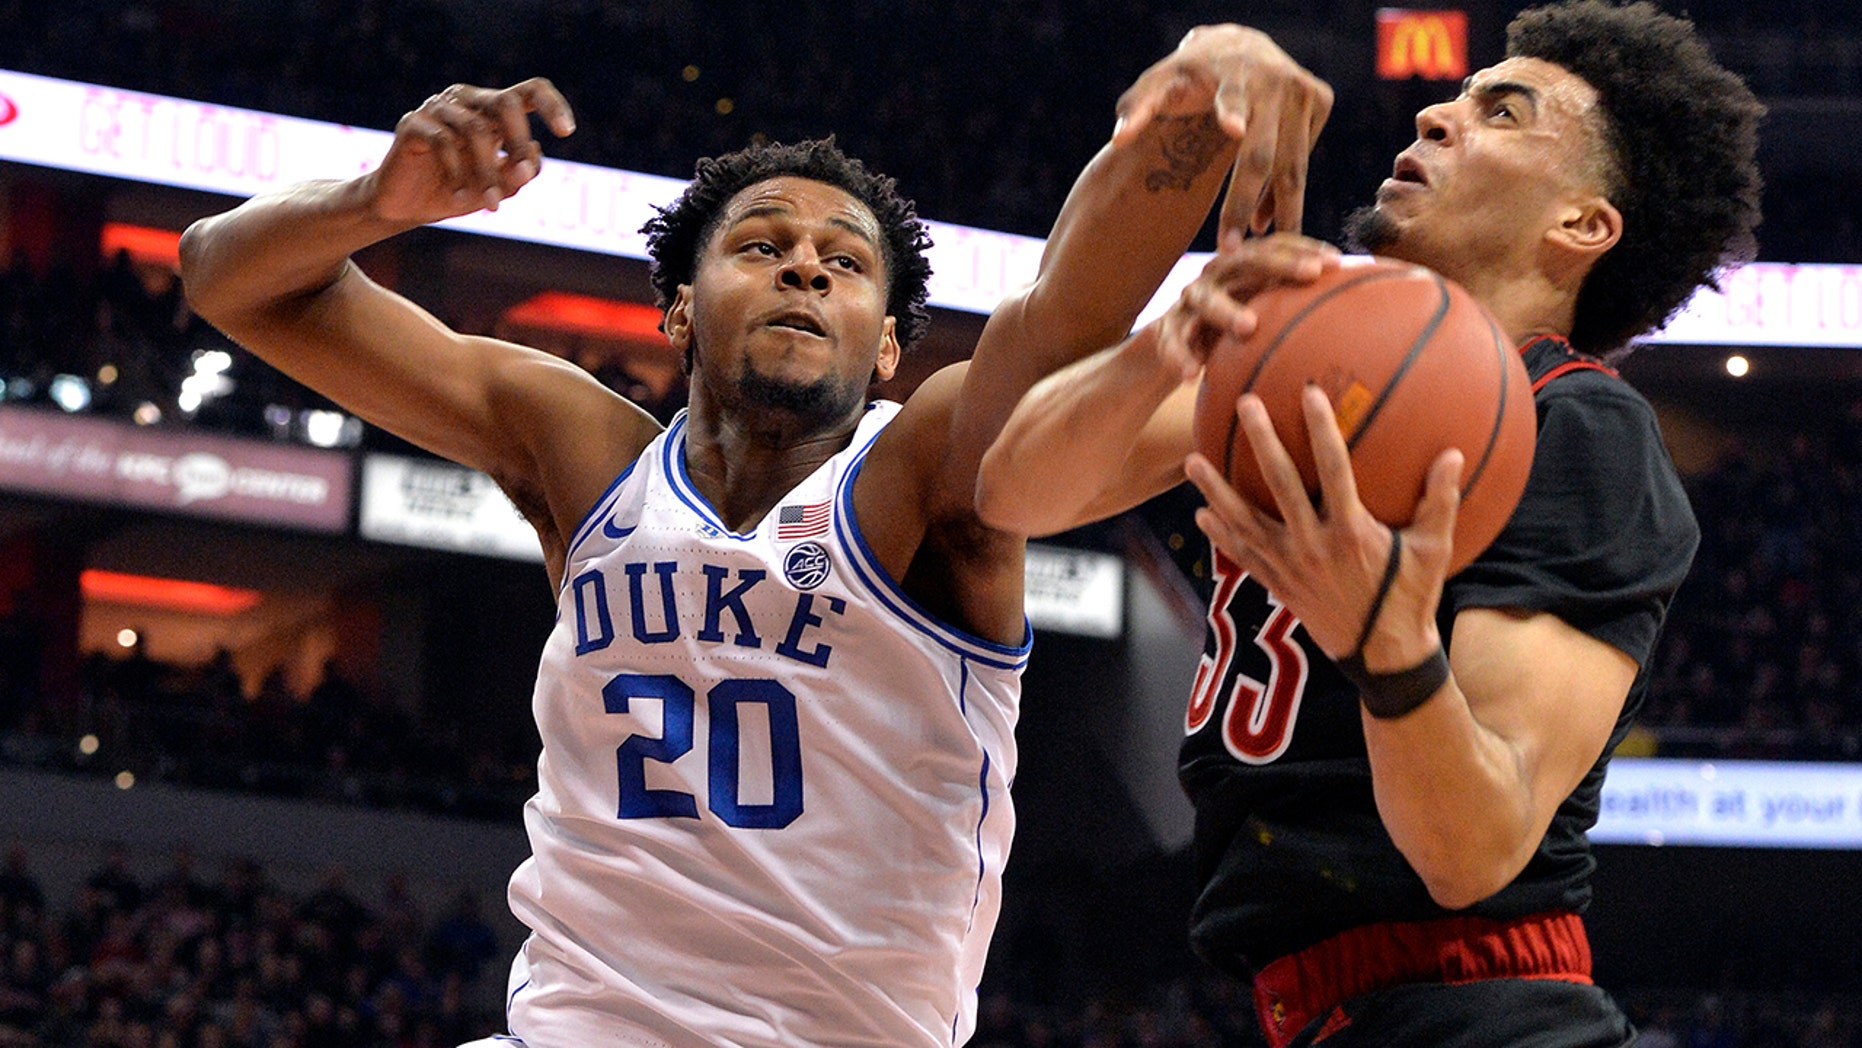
1391, 695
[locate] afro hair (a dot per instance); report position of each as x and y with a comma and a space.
1681, 134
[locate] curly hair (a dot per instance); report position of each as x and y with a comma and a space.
677, 235
1681, 133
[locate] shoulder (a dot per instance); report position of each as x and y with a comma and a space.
914, 441
572, 436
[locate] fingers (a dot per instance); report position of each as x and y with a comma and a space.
1215, 305
1203, 316
1283, 202
479, 138
541, 97
1133, 116
1254, 164
1338, 486
1231, 106
1441, 498
1277, 468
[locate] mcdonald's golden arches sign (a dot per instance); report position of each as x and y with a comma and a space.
1432, 45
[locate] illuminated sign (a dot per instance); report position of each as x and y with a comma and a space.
1765, 804
1432, 45
1073, 591
438, 505
241, 152
149, 138
181, 471
1774, 304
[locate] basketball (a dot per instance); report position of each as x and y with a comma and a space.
1413, 366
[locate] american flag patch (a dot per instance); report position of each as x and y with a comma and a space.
800, 522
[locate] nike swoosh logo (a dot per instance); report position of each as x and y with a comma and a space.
608, 529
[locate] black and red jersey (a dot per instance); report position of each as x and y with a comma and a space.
1289, 848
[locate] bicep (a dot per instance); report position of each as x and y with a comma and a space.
1551, 691
392, 363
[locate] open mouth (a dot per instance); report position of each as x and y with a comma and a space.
799, 321
1408, 169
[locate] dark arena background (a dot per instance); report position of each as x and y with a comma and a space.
265, 670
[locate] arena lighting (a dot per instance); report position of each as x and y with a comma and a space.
1738, 366
330, 429
588, 315
158, 247
208, 380
70, 392
149, 591
241, 152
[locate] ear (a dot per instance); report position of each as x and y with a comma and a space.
677, 322
1589, 226
888, 363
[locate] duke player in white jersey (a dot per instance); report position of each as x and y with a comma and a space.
777, 708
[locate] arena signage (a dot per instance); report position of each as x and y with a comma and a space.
1765, 804
438, 505
1432, 45
181, 471
1073, 591
239, 152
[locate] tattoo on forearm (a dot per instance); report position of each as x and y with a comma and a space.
1189, 144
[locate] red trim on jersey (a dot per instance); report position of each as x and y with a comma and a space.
1298, 988
1568, 366
1577, 362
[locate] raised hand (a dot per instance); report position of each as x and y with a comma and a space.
1215, 305
1259, 95
464, 149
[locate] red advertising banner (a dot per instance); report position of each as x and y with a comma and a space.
1432, 45
179, 471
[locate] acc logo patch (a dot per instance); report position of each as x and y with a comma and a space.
807, 566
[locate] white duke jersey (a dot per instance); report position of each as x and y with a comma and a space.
773, 801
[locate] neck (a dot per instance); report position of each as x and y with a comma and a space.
1527, 303
745, 461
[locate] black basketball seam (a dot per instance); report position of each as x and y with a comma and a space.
1499, 417
1234, 421
1305, 311
1415, 350
1228, 453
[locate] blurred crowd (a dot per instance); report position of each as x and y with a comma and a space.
180, 961
197, 725
1762, 654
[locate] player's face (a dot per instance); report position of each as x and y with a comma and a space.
1490, 172
787, 308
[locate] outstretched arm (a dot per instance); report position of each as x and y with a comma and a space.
1110, 431
1225, 91
1227, 105
275, 275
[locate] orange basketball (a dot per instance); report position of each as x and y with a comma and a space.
1413, 365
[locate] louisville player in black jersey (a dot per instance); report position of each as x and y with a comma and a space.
1393, 772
